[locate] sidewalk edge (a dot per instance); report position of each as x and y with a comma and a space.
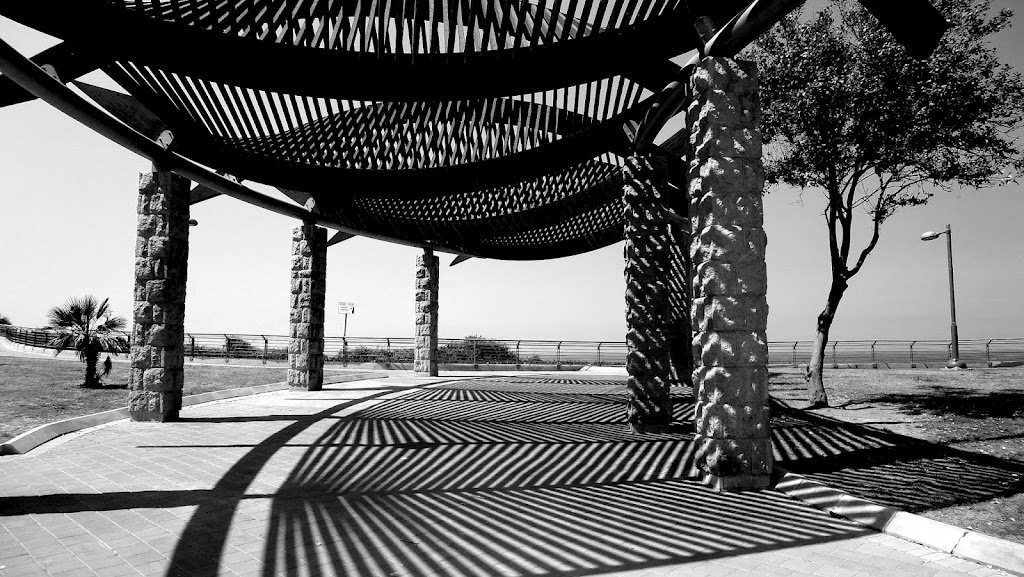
970, 545
31, 439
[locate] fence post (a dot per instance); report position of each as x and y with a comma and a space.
387, 358
913, 365
475, 364
227, 349
949, 351
874, 365
795, 343
192, 342
344, 351
266, 345
988, 352
519, 360
599, 354
558, 356
835, 365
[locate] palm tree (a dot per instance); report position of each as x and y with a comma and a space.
87, 327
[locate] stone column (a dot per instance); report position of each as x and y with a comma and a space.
680, 337
161, 265
729, 311
427, 270
647, 255
309, 287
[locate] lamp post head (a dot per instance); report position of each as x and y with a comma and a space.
931, 235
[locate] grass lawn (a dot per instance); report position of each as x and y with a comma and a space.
980, 411
34, 392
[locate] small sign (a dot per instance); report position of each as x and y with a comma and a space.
346, 308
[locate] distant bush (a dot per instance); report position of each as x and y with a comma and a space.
383, 356
4, 320
476, 349
241, 348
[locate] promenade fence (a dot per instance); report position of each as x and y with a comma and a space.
482, 351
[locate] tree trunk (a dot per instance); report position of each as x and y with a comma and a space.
92, 355
816, 395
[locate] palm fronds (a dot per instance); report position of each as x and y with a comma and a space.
85, 325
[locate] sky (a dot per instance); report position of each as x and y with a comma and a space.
67, 228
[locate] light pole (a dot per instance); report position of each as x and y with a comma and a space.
954, 362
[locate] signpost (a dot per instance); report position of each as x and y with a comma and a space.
345, 309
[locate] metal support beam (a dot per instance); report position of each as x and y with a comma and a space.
339, 237
201, 193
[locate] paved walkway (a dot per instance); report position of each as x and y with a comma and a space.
473, 476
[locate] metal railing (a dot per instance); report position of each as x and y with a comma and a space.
477, 351
889, 353
381, 350
400, 350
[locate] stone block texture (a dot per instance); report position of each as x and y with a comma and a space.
161, 265
729, 311
656, 295
306, 320
428, 267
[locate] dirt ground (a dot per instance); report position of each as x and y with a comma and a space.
975, 416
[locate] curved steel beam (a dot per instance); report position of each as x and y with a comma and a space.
303, 70
232, 157
68, 59
39, 83
36, 81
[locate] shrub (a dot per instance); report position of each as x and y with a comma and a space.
364, 354
478, 349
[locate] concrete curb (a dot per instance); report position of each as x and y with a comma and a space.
29, 440
999, 553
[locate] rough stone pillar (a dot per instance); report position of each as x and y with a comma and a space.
729, 311
427, 270
161, 265
309, 287
647, 253
680, 337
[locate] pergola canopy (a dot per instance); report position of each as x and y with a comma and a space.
484, 127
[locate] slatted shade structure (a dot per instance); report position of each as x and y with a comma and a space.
483, 127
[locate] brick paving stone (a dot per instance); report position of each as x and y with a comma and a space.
33, 571
16, 562
298, 483
145, 558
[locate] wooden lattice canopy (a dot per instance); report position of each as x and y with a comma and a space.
484, 127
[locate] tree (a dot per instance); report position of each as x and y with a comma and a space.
87, 327
4, 320
847, 111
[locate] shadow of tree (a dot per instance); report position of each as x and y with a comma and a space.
888, 468
940, 400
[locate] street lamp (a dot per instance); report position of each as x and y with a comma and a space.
955, 362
